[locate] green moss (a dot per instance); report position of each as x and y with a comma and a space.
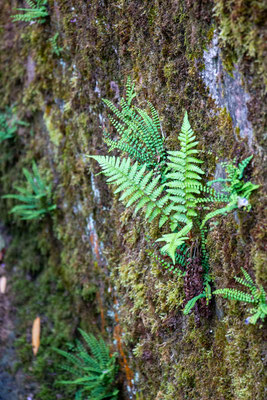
160, 45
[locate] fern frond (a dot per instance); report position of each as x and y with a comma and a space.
130, 91
234, 294
242, 165
172, 268
36, 197
139, 134
94, 374
221, 211
173, 240
184, 180
138, 186
191, 303
37, 11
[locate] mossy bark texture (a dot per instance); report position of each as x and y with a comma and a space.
87, 264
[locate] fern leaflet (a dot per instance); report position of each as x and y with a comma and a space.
257, 297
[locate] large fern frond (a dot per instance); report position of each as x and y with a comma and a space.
184, 180
138, 185
234, 294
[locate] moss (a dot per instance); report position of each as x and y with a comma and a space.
92, 244
55, 135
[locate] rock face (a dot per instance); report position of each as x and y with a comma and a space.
87, 264
227, 90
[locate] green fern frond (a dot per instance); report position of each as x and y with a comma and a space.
173, 240
221, 211
183, 183
257, 297
130, 91
56, 49
139, 134
94, 374
36, 196
191, 303
9, 124
242, 165
234, 294
172, 268
37, 11
137, 184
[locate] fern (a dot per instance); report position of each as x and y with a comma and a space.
191, 303
37, 11
183, 184
56, 49
140, 134
184, 178
138, 185
257, 297
239, 191
167, 185
165, 264
36, 197
9, 124
94, 374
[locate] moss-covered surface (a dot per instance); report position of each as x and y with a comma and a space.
87, 265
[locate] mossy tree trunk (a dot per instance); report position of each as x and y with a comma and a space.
89, 260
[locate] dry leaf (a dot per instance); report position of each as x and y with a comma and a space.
2, 284
36, 330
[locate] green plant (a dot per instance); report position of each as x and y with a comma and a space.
140, 135
9, 124
36, 196
95, 375
168, 185
257, 297
37, 12
238, 191
164, 185
55, 47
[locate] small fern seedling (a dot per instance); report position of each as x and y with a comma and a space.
37, 11
94, 374
36, 197
56, 49
257, 297
238, 190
